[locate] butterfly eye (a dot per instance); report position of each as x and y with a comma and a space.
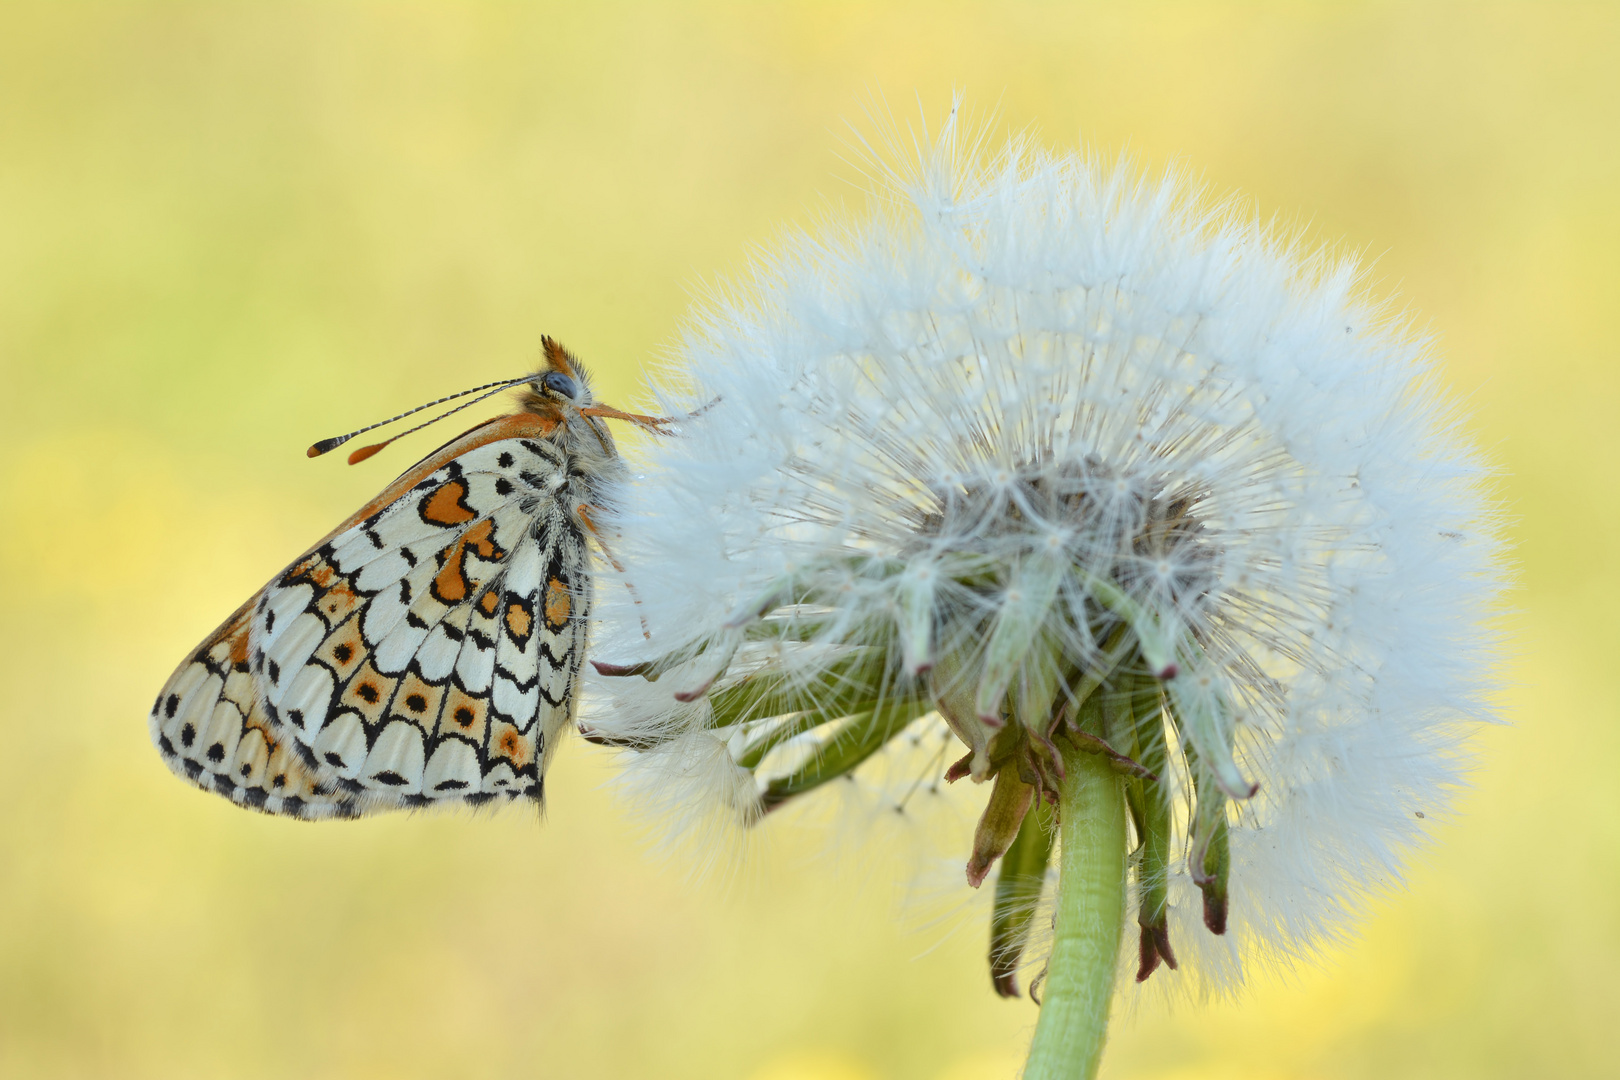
560, 384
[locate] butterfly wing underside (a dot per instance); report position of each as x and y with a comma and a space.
426, 652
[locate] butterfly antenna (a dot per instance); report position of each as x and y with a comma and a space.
328, 445
364, 452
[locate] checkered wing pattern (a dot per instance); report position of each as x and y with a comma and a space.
425, 652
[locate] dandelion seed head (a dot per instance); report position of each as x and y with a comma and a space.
958, 447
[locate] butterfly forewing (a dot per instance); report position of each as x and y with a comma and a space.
427, 651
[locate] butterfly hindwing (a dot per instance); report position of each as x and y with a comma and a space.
212, 729
427, 651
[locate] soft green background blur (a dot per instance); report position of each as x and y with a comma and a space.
228, 229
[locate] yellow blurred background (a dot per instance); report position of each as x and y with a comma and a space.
229, 229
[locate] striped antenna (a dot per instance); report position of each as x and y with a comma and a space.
328, 445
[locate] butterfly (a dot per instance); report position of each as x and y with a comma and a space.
427, 650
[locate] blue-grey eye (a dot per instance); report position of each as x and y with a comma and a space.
558, 383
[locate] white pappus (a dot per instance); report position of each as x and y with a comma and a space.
1033, 429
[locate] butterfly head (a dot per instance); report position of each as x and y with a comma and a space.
561, 391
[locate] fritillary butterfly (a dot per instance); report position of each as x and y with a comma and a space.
427, 650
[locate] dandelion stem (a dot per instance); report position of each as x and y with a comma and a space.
1090, 913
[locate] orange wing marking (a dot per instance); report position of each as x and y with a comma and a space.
518, 621
558, 604
451, 584
448, 505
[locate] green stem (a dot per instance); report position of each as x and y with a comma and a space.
1090, 914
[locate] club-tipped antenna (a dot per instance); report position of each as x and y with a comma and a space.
328, 445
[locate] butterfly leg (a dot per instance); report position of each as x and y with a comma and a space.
584, 513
